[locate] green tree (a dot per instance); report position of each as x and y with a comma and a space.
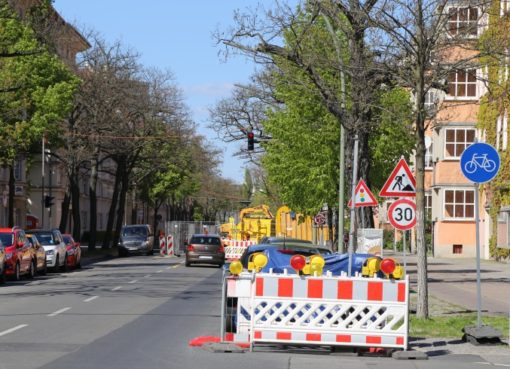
36, 91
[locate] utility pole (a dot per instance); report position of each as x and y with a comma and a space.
353, 203
43, 154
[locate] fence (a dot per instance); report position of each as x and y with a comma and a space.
182, 231
326, 310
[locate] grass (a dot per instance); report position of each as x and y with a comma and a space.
451, 326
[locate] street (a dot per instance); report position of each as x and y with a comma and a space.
141, 312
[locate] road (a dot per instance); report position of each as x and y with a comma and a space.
141, 312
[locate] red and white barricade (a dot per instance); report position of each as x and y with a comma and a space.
325, 310
162, 245
166, 245
234, 249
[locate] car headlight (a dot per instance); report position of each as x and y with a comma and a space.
145, 243
50, 252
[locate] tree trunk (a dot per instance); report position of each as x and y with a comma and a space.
113, 206
12, 189
94, 163
75, 201
65, 212
121, 207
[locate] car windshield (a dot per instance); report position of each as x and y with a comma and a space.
45, 238
205, 240
6, 238
134, 232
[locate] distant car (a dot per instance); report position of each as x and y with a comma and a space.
19, 253
2, 263
53, 243
39, 254
205, 249
73, 251
136, 238
274, 239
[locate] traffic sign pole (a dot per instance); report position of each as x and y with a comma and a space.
478, 278
353, 205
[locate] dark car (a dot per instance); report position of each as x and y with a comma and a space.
205, 249
136, 238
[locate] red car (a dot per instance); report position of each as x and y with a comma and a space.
73, 251
19, 253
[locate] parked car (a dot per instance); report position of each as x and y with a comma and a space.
136, 238
73, 251
205, 249
19, 254
53, 243
2, 263
39, 254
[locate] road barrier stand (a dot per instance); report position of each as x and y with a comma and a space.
234, 249
369, 310
166, 245
162, 245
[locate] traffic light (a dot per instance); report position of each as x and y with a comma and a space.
48, 201
251, 140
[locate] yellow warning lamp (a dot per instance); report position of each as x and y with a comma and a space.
398, 273
235, 267
257, 261
307, 270
371, 266
316, 264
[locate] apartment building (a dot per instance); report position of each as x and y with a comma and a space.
450, 197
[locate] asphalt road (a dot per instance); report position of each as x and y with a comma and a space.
141, 312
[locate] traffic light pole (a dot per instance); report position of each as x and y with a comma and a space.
50, 184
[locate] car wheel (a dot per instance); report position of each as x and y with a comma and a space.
2, 276
44, 270
65, 267
17, 273
55, 268
122, 253
31, 271
187, 263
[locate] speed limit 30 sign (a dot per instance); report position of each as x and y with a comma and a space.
402, 214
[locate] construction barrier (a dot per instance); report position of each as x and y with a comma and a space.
324, 310
162, 245
234, 249
169, 245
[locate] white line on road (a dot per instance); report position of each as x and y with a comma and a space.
59, 311
170, 267
175, 266
507, 365
117, 288
91, 299
159, 271
147, 276
133, 281
13, 329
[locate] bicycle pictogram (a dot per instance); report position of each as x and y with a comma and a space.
480, 161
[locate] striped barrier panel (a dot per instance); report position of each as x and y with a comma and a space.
162, 245
239, 295
169, 245
336, 311
234, 249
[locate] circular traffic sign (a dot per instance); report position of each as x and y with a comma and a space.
480, 162
402, 214
319, 219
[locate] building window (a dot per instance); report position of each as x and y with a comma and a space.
18, 170
459, 204
431, 101
463, 21
462, 83
428, 153
428, 205
502, 132
456, 141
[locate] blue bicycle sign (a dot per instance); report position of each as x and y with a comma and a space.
480, 162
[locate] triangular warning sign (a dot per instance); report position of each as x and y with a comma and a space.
363, 196
400, 183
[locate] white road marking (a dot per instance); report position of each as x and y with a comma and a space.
133, 281
507, 365
13, 329
91, 299
159, 271
170, 267
117, 288
176, 266
147, 276
59, 311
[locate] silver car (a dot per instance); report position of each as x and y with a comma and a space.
136, 238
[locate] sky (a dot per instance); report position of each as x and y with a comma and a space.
176, 35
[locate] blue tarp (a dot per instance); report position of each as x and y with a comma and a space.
335, 263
